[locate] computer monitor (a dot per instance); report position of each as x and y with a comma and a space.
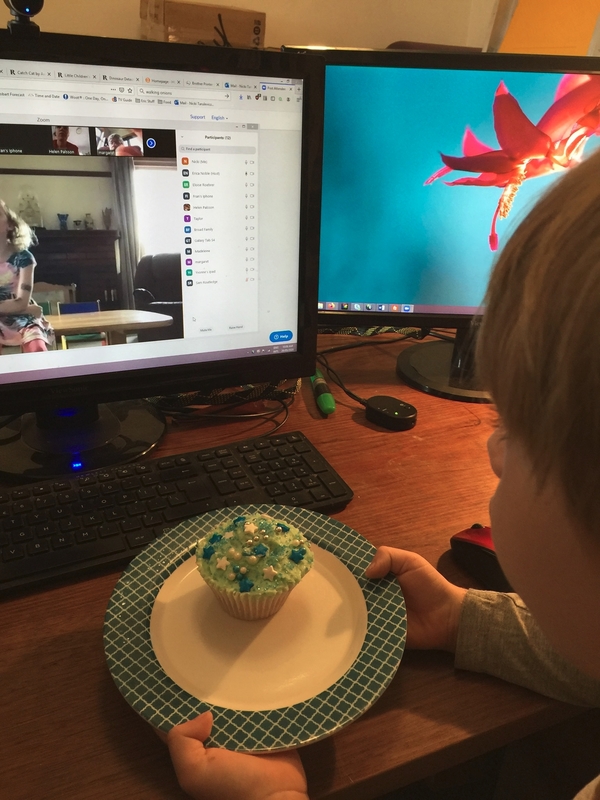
430, 160
202, 162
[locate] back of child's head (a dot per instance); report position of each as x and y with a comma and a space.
539, 345
20, 234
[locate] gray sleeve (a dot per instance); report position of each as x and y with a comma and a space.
497, 635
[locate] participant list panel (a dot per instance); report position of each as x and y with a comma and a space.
218, 175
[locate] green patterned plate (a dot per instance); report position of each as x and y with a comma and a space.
153, 685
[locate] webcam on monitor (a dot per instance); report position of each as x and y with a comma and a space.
22, 12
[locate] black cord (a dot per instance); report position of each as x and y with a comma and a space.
334, 376
413, 333
444, 336
409, 333
194, 413
220, 396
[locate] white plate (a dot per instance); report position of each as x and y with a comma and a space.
270, 663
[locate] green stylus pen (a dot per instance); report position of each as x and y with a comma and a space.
323, 397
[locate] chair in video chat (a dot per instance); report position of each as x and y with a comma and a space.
84, 307
157, 288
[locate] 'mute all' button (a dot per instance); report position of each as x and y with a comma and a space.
280, 336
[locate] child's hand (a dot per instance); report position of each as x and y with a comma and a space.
215, 774
432, 603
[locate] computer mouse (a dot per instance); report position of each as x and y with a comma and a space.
473, 549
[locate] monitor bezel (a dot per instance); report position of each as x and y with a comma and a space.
334, 320
202, 375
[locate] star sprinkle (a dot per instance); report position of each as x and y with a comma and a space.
250, 527
297, 555
269, 573
207, 552
260, 550
245, 585
228, 535
222, 563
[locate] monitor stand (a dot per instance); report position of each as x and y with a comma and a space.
66, 441
445, 369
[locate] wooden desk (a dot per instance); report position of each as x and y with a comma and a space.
115, 323
69, 735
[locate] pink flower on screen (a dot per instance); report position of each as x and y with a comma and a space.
528, 150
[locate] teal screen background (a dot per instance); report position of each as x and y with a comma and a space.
385, 236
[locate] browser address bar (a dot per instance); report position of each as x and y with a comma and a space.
191, 94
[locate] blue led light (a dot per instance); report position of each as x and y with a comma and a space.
76, 465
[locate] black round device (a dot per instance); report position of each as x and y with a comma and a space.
391, 413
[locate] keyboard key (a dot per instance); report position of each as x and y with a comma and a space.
38, 546
12, 552
140, 539
61, 540
81, 537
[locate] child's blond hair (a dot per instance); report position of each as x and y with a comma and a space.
539, 346
20, 234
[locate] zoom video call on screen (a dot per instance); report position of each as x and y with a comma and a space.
183, 165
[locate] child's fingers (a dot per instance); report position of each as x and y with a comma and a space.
198, 728
391, 559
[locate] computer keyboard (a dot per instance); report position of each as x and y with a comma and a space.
73, 524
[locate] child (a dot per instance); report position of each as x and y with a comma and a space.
539, 357
21, 321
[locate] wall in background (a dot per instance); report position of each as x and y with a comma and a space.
339, 23
552, 26
74, 196
538, 26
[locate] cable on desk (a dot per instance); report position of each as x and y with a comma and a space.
407, 333
373, 331
228, 396
387, 412
175, 408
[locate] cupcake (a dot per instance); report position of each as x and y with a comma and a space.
252, 563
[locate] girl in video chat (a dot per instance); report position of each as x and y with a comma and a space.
22, 323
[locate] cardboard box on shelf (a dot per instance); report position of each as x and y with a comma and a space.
198, 23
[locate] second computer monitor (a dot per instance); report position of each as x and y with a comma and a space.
430, 161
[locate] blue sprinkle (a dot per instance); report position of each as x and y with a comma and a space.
297, 555
207, 552
216, 537
236, 568
283, 527
237, 520
245, 585
260, 550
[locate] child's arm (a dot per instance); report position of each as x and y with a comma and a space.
490, 632
215, 774
18, 304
